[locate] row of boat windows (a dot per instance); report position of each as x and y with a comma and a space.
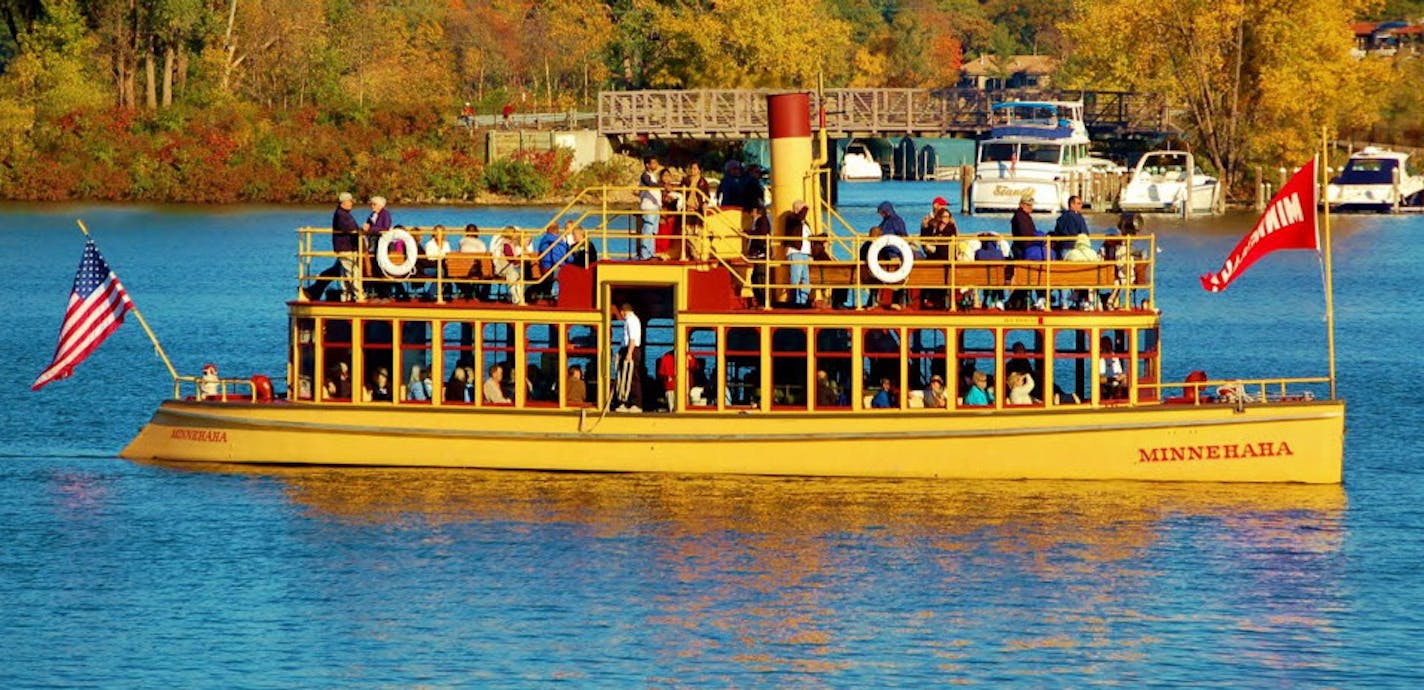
725, 367
1032, 153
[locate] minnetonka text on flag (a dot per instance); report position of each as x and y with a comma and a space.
1289, 222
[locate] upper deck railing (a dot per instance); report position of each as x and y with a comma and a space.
741, 113
945, 272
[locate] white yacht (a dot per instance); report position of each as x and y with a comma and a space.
1034, 146
1375, 179
1161, 184
858, 163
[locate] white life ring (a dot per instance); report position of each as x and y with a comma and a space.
383, 253
907, 259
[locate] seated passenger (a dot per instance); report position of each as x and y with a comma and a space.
991, 249
455, 388
338, 382
432, 256
826, 393
380, 388
472, 244
979, 394
505, 251
1062, 397
1020, 385
419, 387
1111, 376
1083, 251
494, 386
934, 394
885, 398
582, 252
575, 390
551, 248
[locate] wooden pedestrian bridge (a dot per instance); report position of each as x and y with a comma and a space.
741, 113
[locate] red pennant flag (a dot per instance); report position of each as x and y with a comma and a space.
1287, 223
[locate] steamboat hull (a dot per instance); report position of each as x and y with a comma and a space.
1279, 442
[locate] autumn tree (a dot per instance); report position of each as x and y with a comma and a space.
1253, 82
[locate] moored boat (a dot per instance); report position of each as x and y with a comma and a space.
752, 362
858, 164
1165, 181
1375, 179
1034, 148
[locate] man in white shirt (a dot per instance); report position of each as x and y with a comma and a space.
630, 361
434, 251
650, 202
799, 253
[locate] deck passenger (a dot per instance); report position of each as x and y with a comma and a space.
1070, 224
892, 224
471, 243
210, 387
494, 386
991, 249
432, 256
630, 361
505, 252
935, 238
729, 190
378, 222
979, 394
935, 206
649, 202
551, 248
699, 197
668, 244
885, 397
1083, 251
575, 388
346, 245
934, 394
338, 381
754, 188
380, 388
1111, 376
419, 388
582, 252
1128, 225
798, 252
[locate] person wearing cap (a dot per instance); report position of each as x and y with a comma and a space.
344, 243
934, 393
209, 389
938, 203
1021, 225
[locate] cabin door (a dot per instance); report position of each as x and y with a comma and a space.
654, 372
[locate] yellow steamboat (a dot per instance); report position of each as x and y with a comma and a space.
513, 360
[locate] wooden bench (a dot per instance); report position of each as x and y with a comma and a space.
467, 265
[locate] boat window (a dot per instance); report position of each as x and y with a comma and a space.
1368, 171
582, 352
927, 360
743, 382
996, 153
1148, 365
1023, 356
1072, 365
881, 369
336, 383
497, 350
788, 368
414, 371
541, 365
702, 347
1040, 153
833, 360
377, 381
977, 353
304, 350
1114, 365
457, 356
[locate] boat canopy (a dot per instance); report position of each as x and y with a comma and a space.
1368, 171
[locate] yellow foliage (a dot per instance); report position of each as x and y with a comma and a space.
1250, 82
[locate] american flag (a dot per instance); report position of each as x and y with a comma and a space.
96, 307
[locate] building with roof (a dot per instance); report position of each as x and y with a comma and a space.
1021, 72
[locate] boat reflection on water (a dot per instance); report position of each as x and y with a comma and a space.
803, 576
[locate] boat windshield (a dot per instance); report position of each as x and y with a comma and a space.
1368, 171
1025, 153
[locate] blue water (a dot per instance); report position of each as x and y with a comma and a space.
115, 574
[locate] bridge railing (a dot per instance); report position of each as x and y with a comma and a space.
741, 113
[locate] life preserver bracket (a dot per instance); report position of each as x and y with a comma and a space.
383, 253
907, 259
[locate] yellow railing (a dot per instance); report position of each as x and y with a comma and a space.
1239, 391
604, 219
221, 390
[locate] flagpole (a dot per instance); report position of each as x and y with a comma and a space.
1329, 282
134, 308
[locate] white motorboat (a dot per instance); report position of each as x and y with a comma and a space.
1375, 179
1166, 180
858, 163
1036, 147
